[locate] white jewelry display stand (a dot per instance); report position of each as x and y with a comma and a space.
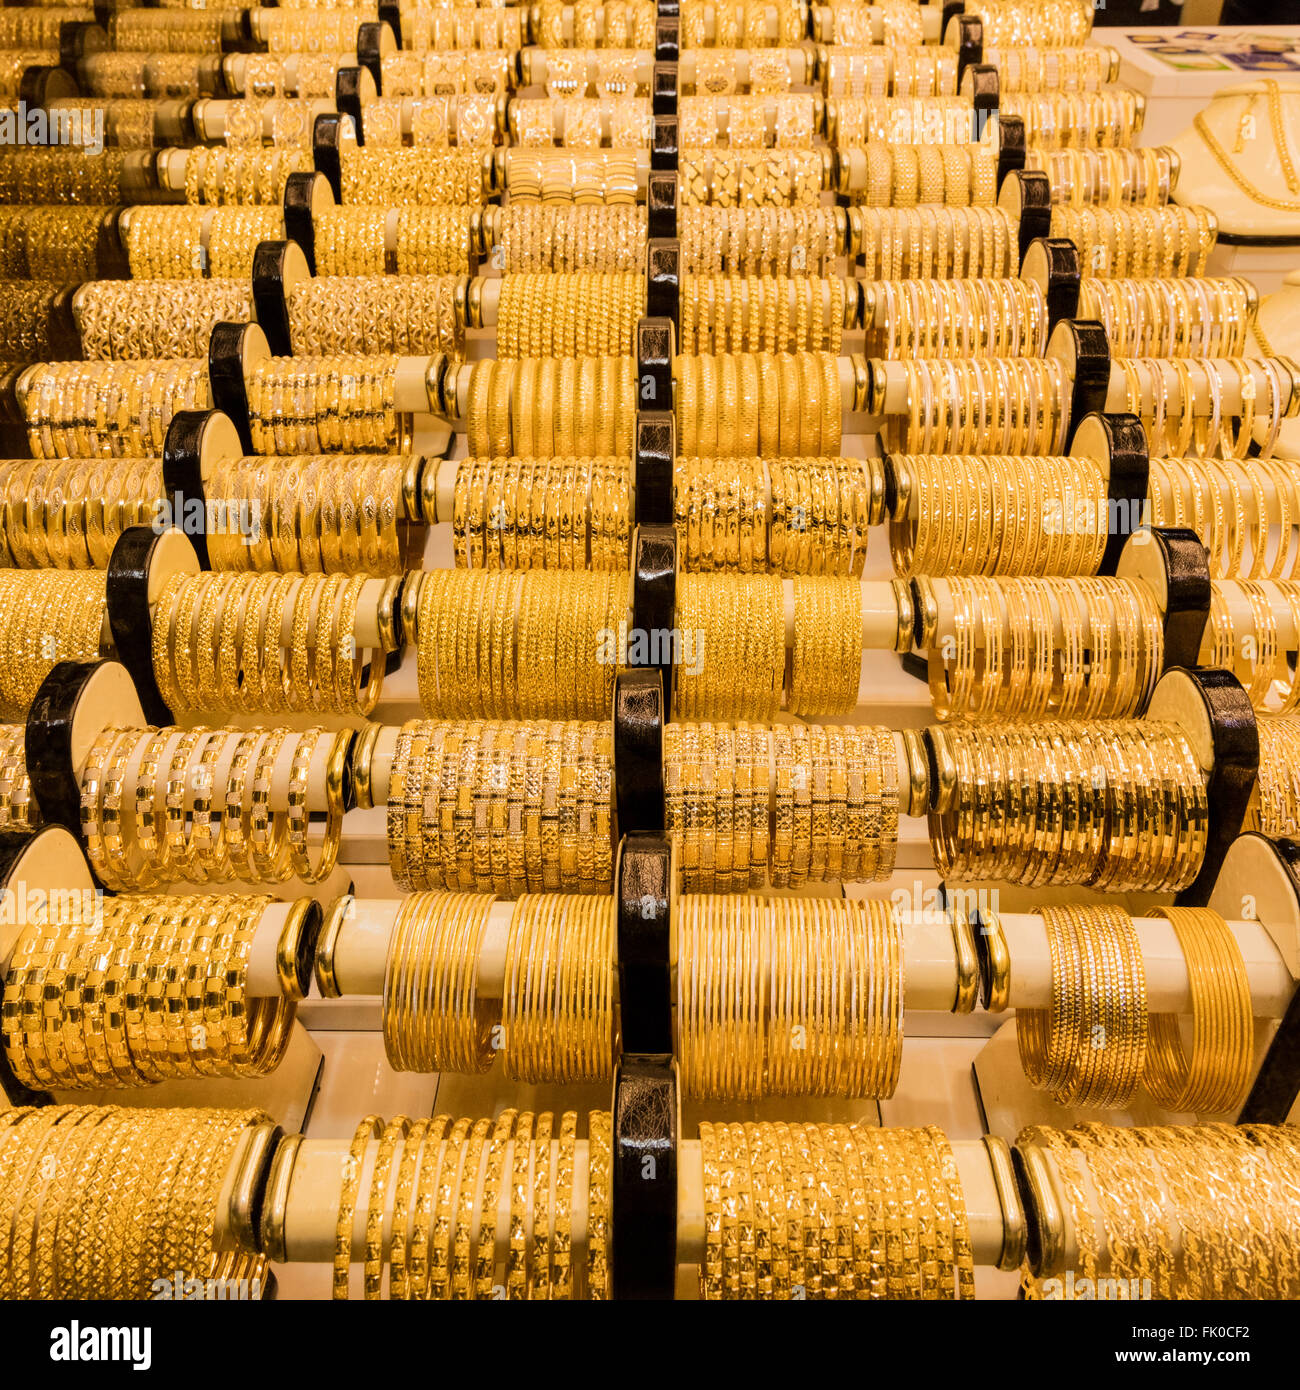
1255, 240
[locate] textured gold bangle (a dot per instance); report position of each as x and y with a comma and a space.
366, 1130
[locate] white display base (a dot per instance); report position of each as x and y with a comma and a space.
1264, 266
1010, 1102
1177, 85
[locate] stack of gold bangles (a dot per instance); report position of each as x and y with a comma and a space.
406, 315
1138, 241
339, 513
49, 616
738, 405
59, 244
267, 644
580, 123
1170, 318
741, 24
303, 32
407, 73
914, 175
186, 31
1238, 508
1025, 648
589, 71
752, 178
748, 1026
155, 76
116, 1203
583, 407
995, 514
1226, 1193
535, 644
1275, 803
919, 243
983, 405
1163, 392
885, 1214
531, 513
899, 121
748, 122
731, 313
429, 241
1109, 118
301, 74
761, 240
961, 318
532, 237
1104, 177
787, 515
422, 176
322, 405
282, 122
831, 814
446, 1179
555, 1018
1090, 1048
127, 319
167, 243
506, 808
881, 70
482, 27
588, 178
68, 513
431, 122
17, 809
62, 175
1120, 806
574, 314
732, 659
161, 985
169, 805
1036, 23
28, 322
218, 175
1248, 620
1027, 68
114, 409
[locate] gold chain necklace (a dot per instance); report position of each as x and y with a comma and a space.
1261, 339
1279, 134
1224, 161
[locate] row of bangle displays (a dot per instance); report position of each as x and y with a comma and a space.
773, 997
341, 514
61, 244
521, 1207
548, 644
772, 404
903, 176
866, 71
1108, 118
588, 24
593, 314
1120, 804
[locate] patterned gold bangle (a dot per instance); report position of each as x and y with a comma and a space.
366, 1130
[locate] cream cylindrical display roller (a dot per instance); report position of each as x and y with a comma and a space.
458, 380
1163, 385
211, 117
312, 1192
1168, 984
360, 930
384, 746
